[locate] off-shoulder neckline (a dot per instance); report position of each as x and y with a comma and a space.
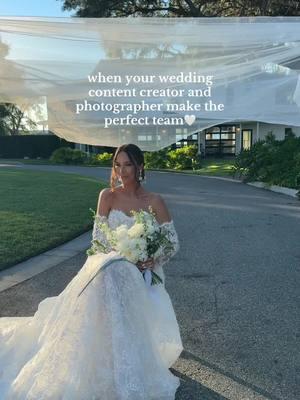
131, 216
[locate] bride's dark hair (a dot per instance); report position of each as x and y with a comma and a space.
135, 155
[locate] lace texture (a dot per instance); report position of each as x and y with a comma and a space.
114, 220
98, 234
114, 342
169, 229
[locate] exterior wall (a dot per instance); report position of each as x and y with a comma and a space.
261, 129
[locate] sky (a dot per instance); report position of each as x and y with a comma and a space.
30, 8
21, 47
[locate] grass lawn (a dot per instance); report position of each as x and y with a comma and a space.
210, 166
213, 167
218, 167
40, 210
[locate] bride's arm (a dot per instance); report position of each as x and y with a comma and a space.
104, 202
103, 208
168, 229
167, 225
160, 209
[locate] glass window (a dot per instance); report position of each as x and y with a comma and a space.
246, 139
228, 135
288, 132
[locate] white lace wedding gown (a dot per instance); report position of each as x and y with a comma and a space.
114, 341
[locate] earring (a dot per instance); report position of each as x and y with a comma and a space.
141, 178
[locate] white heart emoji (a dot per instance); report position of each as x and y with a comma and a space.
190, 119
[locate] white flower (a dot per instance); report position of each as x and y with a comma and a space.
140, 244
131, 255
121, 232
123, 244
136, 231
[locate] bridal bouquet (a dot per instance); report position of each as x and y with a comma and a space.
143, 240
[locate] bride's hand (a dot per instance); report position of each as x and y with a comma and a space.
142, 265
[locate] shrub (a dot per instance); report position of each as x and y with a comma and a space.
66, 155
104, 159
156, 159
184, 158
78, 157
276, 162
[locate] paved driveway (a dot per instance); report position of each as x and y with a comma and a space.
234, 286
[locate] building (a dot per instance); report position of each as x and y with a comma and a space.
231, 139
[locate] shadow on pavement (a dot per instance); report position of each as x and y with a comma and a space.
191, 389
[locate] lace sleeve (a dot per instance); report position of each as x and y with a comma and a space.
99, 240
168, 228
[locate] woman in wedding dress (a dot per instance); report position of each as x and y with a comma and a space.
108, 335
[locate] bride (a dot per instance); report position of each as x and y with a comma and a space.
107, 336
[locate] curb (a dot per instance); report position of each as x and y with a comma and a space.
261, 185
274, 188
40, 263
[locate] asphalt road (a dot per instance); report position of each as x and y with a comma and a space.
234, 286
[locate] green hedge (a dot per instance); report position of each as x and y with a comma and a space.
104, 159
31, 146
276, 162
156, 159
66, 155
183, 158
179, 159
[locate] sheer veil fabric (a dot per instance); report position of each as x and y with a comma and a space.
254, 63
116, 341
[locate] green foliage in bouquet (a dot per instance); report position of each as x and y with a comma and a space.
158, 239
144, 240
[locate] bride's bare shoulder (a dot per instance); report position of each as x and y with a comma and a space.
104, 201
106, 193
160, 208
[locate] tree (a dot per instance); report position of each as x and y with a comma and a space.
3, 115
13, 120
181, 8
